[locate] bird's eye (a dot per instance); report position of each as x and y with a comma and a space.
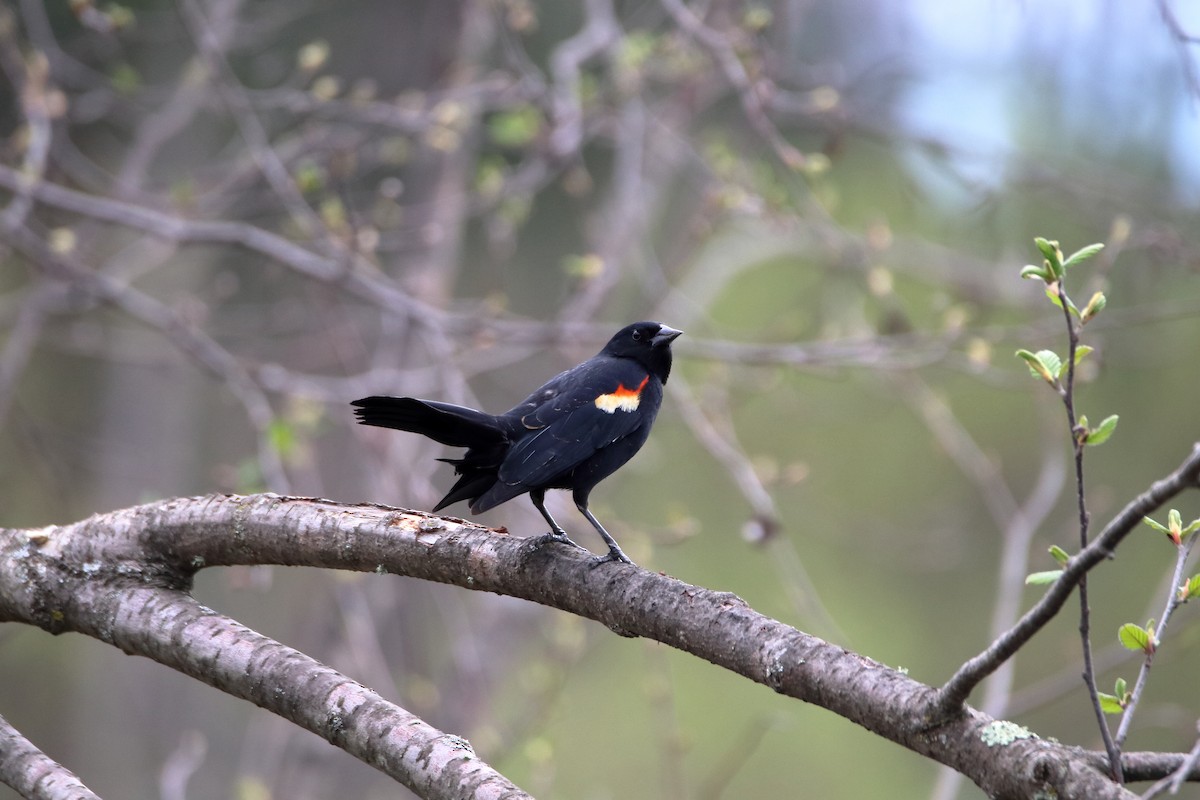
637, 336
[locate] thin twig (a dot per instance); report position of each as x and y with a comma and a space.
749, 91
1174, 782
1079, 442
954, 692
599, 33
1018, 522
366, 282
1185, 42
209, 45
195, 343
1182, 551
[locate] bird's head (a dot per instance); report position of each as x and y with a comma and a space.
648, 343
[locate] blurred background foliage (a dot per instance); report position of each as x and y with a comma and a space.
834, 199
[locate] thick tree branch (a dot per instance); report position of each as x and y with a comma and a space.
132, 598
120, 577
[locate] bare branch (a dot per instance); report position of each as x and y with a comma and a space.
151, 616
599, 33
955, 691
144, 308
365, 281
210, 47
34, 774
141, 559
1187, 770
1182, 551
749, 92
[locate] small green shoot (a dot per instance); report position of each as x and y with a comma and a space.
1044, 364
1054, 266
1136, 638
1174, 528
1116, 702
1100, 434
1053, 255
1109, 704
1094, 307
1049, 576
1082, 254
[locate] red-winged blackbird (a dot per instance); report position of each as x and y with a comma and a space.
571, 433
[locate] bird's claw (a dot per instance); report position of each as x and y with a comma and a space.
556, 537
614, 554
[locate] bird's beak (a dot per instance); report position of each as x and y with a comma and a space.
665, 335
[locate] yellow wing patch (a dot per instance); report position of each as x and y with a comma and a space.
621, 399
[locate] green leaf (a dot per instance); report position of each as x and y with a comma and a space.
1082, 254
1044, 364
1155, 525
1029, 272
1109, 704
1043, 578
1094, 307
1052, 362
1081, 352
1120, 687
1190, 589
1135, 637
1100, 435
1053, 256
1059, 554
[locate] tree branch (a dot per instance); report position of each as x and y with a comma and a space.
32, 773
127, 589
121, 577
954, 693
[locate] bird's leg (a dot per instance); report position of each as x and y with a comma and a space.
615, 553
556, 534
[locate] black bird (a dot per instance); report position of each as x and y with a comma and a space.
571, 433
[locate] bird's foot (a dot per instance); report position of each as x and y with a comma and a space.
554, 537
614, 554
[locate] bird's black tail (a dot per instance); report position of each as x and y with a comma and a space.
457, 426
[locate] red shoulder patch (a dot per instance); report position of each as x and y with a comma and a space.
621, 398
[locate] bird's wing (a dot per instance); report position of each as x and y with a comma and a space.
583, 410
